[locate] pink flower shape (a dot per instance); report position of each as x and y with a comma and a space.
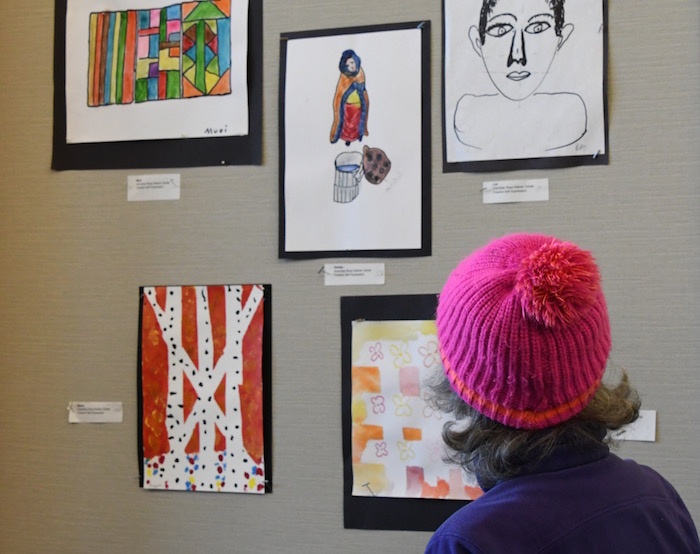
376, 352
430, 353
381, 449
378, 406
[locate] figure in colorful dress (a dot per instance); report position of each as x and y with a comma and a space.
351, 102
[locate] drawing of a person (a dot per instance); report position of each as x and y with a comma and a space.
517, 41
351, 102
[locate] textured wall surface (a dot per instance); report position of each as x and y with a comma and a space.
74, 254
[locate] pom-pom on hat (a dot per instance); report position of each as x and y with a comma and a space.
524, 331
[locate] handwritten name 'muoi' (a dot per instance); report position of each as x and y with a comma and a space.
215, 131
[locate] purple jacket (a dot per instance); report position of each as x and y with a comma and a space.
573, 503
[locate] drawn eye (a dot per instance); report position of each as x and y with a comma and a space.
499, 29
537, 27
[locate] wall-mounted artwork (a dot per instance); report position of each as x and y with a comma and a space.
180, 51
157, 83
395, 477
355, 142
524, 84
204, 388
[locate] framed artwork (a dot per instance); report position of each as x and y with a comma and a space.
204, 388
524, 84
394, 475
157, 83
355, 142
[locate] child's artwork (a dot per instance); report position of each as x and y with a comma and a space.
392, 436
396, 440
133, 72
524, 84
350, 101
179, 51
353, 179
204, 388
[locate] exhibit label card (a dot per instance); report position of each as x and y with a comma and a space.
354, 274
153, 187
644, 429
95, 412
525, 190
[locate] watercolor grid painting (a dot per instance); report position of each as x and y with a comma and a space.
394, 473
396, 436
204, 381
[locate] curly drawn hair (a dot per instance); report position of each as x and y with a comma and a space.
495, 452
557, 6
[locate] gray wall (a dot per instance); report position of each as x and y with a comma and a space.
74, 253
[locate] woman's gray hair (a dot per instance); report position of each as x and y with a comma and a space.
495, 452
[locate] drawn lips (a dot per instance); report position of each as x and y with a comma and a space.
518, 75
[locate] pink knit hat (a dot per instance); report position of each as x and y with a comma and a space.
524, 331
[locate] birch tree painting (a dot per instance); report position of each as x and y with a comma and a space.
201, 375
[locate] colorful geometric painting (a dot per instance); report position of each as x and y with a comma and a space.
396, 436
201, 372
206, 50
178, 51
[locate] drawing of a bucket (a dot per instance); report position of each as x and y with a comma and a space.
348, 174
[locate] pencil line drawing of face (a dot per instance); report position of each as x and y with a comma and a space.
517, 41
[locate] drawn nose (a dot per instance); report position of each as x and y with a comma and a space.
517, 49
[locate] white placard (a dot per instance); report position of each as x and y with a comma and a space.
526, 190
644, 429
354, 274
95, 412
165, 186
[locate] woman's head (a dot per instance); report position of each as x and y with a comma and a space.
523, 330
524, 336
